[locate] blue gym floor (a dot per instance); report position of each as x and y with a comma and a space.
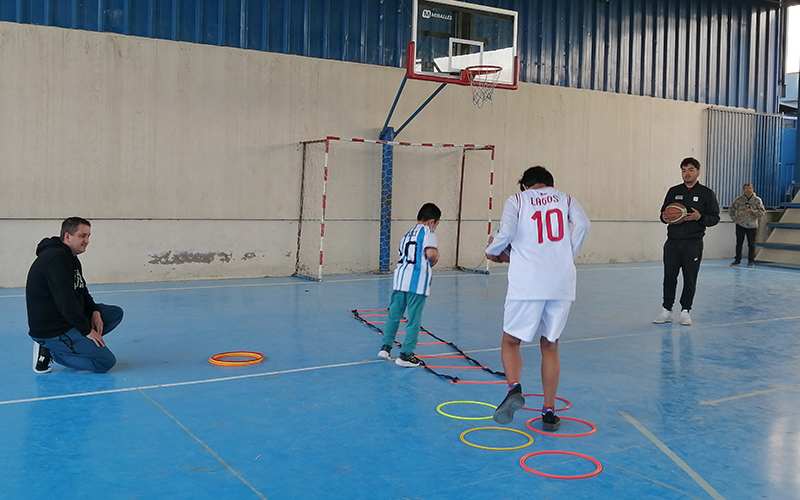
699, 412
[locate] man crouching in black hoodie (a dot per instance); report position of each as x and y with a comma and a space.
65, 323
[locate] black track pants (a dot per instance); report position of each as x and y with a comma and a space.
685, 256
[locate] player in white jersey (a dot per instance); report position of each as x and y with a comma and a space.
418, 253
546, 229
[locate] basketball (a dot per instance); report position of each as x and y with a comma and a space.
506, 255
674, 213
503, 257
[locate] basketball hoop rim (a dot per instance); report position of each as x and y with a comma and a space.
478, 70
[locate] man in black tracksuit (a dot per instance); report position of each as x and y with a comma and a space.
66, 324
683, 249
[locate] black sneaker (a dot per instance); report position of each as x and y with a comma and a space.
407, 360
736, 263
550, 422
41, 359
385, 352
513, 401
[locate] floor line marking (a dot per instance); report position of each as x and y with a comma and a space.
333, 281
750, 394
675, 458
664, 485
204, 445
295, 283
191, 382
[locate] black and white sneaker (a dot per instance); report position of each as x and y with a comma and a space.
41, 359
407, 360
385, 352
550, 422
513, 401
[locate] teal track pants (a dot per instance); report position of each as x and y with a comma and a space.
415, 303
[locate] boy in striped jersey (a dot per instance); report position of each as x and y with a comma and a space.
412, 284
546, 228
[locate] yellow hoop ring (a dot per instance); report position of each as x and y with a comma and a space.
439, 409
530, 442
219, 359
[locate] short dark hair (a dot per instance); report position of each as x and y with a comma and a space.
429, 211
690, 161
747, 184
71, 224
535, 175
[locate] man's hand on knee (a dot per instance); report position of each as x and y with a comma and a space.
95, 337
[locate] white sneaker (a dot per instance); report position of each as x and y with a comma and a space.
407, 360
664, 317
686, 320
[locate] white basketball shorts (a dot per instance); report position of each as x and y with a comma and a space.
521, 318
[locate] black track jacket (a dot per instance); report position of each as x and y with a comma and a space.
701, 199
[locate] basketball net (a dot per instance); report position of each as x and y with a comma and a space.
483, 80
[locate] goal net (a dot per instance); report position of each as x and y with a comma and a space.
358, 197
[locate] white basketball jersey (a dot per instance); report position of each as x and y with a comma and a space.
413, 271
546, 229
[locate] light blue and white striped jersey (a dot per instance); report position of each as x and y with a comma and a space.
413, 271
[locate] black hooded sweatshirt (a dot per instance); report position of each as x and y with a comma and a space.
56, 293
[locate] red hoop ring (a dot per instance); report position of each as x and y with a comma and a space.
594, 428
556, 476
569, 405
219, 359
478, 70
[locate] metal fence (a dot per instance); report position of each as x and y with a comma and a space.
746, 147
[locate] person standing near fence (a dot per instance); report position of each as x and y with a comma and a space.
745, 212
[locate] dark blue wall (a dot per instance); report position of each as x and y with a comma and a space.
709, 51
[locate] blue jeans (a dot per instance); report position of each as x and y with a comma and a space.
73, 350
415, 304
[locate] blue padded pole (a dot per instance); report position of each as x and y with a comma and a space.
387, 163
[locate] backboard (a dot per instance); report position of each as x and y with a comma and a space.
449, 36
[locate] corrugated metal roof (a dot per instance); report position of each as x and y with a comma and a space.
710, 51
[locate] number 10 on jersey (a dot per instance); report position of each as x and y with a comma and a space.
550, 217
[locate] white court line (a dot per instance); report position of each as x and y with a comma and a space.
207, 448
299, 283
749, 394
333, 281
675, 458
191, 382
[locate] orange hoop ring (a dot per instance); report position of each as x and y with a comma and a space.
569, 405
220, 359
594, 428
556, 476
